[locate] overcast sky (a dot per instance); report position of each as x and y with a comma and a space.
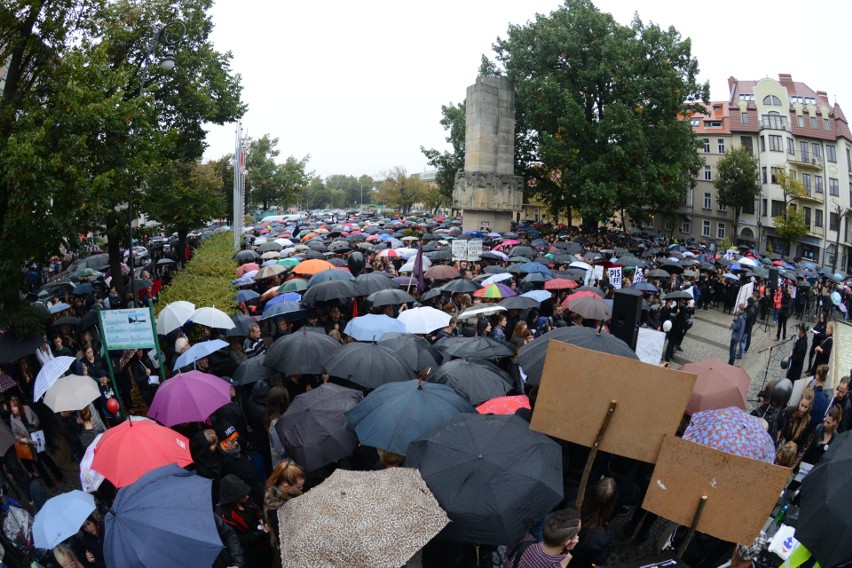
359, 85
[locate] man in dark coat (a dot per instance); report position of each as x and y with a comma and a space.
797, 358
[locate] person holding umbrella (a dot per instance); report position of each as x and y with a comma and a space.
822, 352
561, 534
90, 543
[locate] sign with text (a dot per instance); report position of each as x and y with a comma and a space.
128, 329
638, 275
467, 250
614, 275
459, 250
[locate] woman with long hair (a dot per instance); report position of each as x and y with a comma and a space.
596, 540
823, 435
287, 481
23, 421
277, 402
795, 422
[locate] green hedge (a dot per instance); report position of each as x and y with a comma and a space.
206, 279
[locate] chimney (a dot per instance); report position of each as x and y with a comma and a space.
785, 78
732, 81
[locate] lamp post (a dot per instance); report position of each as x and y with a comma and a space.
167, 34
841, 214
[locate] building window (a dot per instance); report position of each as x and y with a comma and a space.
748, 208
833, 187
830, 253
848, 160
746, 96
833, 221
720, 145
826, 125
818, 187
817, 217
763, 174
801, 120
831, 153
720, 207
667, 225
763, 144
763, 207
744, 117
816, 151
777, 208
807, 212
720, 230
776, 143
771, 100
685, 226
707, 201
747, 143
806, 153
813, 122
708, 173
774, 172
705, 228
806, 181
791, 147
774, 121
694, 122
706, 145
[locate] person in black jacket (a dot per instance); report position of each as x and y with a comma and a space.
596, 539
90, 549
237, 463
797, 357
783, 315
232, 554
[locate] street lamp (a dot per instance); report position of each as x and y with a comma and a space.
167, 34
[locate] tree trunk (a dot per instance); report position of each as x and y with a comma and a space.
181, 247
115, 258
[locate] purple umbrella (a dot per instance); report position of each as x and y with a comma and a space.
189, 397
732, 430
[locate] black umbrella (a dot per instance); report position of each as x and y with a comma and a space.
519, 303
476, 380
493, 269
300, 353
492, 475
531, 356
67, 320
658, 273
12, 348
82, 289
825, 525
164, 261
440, 255
141, 284
460, 286
431, 293
372, 282
523, 250
252, 370
389, 297
367, 364
332, 291
89, 320
246, 255
678, 295
478, 347
314, 429
241, 326
329, 275
672, 267
417, 353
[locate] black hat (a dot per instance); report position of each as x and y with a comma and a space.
232, 489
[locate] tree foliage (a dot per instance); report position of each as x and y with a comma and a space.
791, 226
88, 118
737, 181
267, 181
400, 190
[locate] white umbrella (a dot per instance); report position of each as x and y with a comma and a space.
578, 264
51, 371
90, 479
409, 266
212, 317
372, 327
58, 307
538, 295
71, 393
746, 261
494, 278
481, 310
174, 316
424, 319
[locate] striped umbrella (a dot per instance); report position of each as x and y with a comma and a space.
495, 291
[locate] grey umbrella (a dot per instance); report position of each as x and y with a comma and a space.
389, 297
371, 282
417, 353
367, 364
300, 353
476, 380
478, 347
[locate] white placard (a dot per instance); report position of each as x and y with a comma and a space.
649, 345
459, 250
128, 329
474, 249
614, 275
599, 272
38, 438
638, 275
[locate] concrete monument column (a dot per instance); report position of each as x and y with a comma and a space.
487, 191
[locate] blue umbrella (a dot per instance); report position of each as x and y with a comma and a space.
328, 275
289, 310
199, 351
247, 295
164, 519
538, 295
644, 286
735, 266
396, 414
372, 327
530, 267
61, 517
82, 289
242, 281
730, 276
58, 307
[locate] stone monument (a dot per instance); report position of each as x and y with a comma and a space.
488, 191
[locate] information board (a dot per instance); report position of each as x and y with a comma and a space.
128, 329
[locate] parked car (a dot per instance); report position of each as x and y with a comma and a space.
53, 289
99, 262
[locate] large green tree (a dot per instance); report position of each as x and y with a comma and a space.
598, 112
400, 190
737, 181
269, 182
89, 117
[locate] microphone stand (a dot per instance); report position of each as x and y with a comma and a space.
769, 359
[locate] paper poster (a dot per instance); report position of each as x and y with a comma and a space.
38, 438
474, 249
459, 250
599, 272
614, 275
638, 275
649, 345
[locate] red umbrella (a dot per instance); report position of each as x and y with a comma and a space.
504, 404
575, 295
719, 385
133, 448
242, 269
560, 284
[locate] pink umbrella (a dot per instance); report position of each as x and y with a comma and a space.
189, 397
509, 243
242, 269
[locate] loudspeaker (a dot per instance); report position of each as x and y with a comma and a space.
626, 315
773, 278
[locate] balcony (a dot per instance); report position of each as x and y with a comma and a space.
812, 197
806, 160
775, 123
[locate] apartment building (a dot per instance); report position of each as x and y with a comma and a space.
789, 127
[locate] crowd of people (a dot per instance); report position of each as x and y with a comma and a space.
238, 447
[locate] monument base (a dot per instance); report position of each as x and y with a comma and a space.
487, 221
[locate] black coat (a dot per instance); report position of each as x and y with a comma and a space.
797, 359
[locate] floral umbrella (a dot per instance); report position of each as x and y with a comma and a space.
732, 430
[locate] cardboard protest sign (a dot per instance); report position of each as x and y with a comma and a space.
577, 386
614, 275
741, 492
